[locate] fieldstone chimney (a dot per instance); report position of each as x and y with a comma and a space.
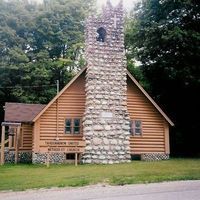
106, 120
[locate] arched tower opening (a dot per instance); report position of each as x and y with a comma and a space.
101, 34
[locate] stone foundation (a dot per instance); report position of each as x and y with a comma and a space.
23, 157
154, 156
54, 158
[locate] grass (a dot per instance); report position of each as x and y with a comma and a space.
22, 177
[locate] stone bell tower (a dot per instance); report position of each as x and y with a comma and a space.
106, 119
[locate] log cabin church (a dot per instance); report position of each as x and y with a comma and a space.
102, 115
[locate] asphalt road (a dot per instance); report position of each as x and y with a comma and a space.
181, 190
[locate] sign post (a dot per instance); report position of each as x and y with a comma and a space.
48, 158
76, 159
2, 145
17, 144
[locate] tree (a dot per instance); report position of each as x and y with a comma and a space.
167, 43
39, 44
133, 67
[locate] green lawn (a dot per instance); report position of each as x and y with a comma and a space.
22, 177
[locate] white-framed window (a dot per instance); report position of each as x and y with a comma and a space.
136, 127
73, 126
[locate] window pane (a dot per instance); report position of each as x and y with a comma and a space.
137, 124
76, 126
137, 131
76, 122
76, 130
68, 126
67, 129
68, 122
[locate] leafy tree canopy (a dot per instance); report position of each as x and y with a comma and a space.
39, 44
166, 39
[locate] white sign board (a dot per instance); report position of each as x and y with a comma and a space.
106, 115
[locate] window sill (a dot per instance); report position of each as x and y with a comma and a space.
74, 135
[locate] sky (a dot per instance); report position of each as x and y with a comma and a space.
127, 3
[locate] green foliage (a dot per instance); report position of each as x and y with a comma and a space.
166, 39
39, 44
137, 73
22, 177
132, 65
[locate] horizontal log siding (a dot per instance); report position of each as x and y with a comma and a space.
71, 104
26, 137
153, 130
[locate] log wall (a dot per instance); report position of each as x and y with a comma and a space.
51, 124
26, 139
71, 104
155, 136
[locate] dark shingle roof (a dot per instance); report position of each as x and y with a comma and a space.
20, 112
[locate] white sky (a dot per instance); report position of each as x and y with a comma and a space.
128, 4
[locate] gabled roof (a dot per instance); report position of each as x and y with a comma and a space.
131, 77
20, 112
